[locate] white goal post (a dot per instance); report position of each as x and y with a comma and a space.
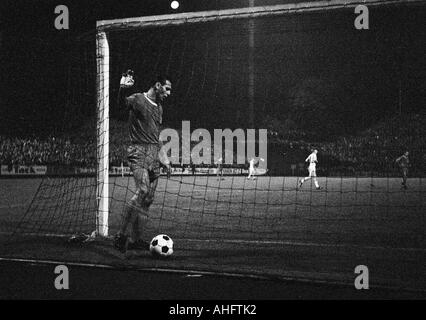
102, 127
103, 76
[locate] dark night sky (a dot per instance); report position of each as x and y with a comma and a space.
36, 56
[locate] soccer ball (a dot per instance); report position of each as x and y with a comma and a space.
161, 245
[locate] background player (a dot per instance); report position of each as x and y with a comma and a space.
253, 163
219, 170
403, 162
145, 118
312, 159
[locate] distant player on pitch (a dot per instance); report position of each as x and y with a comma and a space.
403, 162
253, 163
144, 155
219, 169
312, 159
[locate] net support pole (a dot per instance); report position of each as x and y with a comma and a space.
102, 61
251, 68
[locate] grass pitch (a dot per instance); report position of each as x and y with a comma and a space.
261, 228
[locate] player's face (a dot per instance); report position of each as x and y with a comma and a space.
163, 91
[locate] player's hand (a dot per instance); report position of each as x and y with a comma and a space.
127, 80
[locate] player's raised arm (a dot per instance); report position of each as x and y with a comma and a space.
126, 88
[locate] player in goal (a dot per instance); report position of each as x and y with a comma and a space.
144, 154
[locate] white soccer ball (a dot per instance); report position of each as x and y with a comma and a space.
174, 4
161, 245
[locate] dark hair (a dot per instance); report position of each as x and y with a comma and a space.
129, 72
160, 78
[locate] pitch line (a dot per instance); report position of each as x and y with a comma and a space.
56, 235
11, 206
306, 244
132, 268
259, 242
210, 273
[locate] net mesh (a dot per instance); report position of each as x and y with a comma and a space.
313, 81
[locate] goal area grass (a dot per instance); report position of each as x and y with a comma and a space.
265, 228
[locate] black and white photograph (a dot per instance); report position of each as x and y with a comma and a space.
213, 155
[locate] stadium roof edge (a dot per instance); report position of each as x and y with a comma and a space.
205, 16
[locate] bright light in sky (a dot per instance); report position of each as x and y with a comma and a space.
174, 4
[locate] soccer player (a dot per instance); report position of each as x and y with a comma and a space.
144, 156
403, 162
219, 171
253, 163
312, 159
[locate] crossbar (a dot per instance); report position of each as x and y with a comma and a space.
240, 13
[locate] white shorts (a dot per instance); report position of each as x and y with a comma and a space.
312, 170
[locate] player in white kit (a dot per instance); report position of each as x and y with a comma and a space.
252, 170
312, 159
219, 169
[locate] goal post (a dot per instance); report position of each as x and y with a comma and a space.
102, 59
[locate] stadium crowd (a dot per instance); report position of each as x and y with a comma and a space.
49, 151
374, 150
371, 151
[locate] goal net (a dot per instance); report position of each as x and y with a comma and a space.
284, 80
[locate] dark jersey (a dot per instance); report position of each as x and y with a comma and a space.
145, 118
403, 161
